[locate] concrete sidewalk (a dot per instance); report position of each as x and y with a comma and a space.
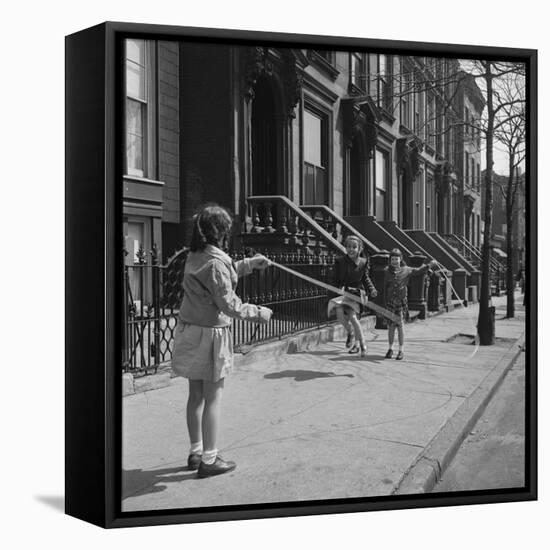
321, 424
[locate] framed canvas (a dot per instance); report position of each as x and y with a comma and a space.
292, 284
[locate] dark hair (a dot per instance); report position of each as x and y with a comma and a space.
396, 252
212, 225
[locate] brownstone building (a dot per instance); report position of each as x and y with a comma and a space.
303, 146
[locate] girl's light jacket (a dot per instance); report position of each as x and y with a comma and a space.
209, 282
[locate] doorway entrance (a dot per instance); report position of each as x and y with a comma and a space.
266, 133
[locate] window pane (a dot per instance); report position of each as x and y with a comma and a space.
382, 70
381, 168
135, 80
320, 187
135, 51
134, 150
380, 205
309, 190
312, 139
357, 69
134, 136
134, 117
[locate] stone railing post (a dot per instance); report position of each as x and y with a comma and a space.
460, 285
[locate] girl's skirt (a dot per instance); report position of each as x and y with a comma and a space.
344, 301
399, 308
202, 353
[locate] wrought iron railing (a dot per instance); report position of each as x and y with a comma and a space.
154, 293
152, 297
297, 304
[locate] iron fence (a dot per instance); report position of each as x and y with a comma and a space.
153, 293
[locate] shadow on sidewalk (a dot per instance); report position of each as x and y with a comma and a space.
321, 353
145, 481
366, 360
304, 375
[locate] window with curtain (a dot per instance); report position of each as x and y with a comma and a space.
406, 95
315, 158
385, 91
140, 108
431, 205
136, 107
430, 122
382, 174
357, 70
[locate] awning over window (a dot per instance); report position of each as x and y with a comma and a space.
500, 252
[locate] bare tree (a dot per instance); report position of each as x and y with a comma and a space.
511, 134
503, 85
500, 111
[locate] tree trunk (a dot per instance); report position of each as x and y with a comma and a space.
486, 319
510, 280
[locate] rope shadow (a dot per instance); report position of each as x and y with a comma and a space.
304, 375
368, 359
320, 353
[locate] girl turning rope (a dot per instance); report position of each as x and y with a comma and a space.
203, 350
396, 277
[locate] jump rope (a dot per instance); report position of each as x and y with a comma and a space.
368, 303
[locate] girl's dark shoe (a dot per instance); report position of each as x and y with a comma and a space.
349, 340
389, 354
354, 348
399, 355
218, 467
363, 351
193, 461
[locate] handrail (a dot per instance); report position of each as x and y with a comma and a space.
285, 202
372, 248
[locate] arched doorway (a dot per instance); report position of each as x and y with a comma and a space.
265, 141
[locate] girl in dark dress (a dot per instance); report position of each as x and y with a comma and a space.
351, 273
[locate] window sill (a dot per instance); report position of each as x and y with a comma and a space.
141, 179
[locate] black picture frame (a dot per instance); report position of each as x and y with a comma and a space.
94, 112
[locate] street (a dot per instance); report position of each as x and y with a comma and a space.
493, 454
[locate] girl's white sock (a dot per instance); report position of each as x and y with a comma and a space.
196, 448
400, 348
208, 457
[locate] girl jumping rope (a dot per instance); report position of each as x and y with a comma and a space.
203, 350
351, 272
396, 277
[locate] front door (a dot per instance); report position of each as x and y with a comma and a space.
265, 154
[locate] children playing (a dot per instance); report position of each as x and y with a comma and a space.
351, 273
203, 350
396, 277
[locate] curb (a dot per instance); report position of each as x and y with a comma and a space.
427, 470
